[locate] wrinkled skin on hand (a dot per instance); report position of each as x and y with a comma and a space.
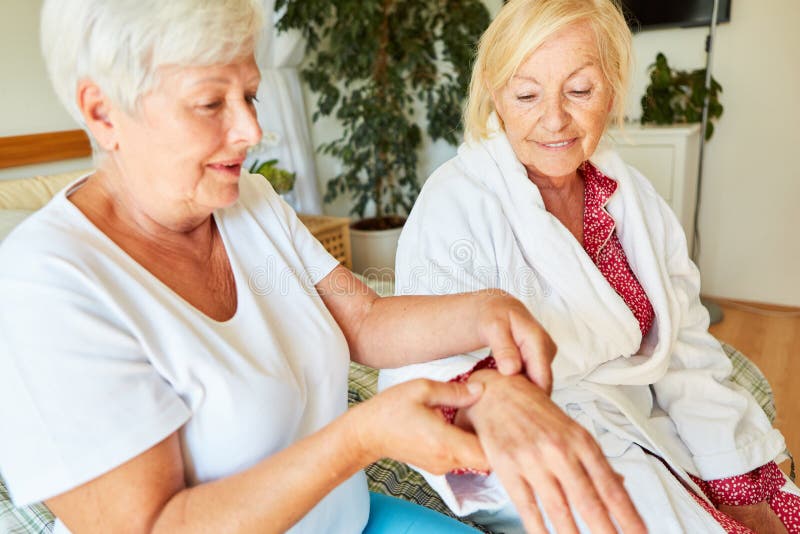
539, 452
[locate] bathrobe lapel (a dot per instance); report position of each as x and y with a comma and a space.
609, 333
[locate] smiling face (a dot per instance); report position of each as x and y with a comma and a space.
555, 108
180, 155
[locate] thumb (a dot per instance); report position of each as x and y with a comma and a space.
538, 364
466, 449
505, 351
453, 394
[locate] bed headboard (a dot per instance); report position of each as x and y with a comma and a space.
19, 150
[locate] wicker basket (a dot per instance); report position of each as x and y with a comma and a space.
333, 233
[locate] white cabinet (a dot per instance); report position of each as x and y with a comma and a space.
668, 156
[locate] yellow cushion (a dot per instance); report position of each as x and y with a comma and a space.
33, 193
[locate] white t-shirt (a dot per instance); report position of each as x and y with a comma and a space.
99, 360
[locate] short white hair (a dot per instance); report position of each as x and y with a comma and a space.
121, 44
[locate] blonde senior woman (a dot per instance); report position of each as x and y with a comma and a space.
535, 205
180, 386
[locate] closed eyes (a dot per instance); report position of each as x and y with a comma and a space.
250, 99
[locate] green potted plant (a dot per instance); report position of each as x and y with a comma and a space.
282, 181
677, 96
373, 64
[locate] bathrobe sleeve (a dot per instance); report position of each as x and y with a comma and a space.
722, 425
441, 252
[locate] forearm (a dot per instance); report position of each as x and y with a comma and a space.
274, 494
397, 331
412, 329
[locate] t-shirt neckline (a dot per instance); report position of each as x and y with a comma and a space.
79, 182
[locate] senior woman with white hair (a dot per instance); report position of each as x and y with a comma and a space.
175, 392
533, 204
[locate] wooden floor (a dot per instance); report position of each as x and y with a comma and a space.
772, 341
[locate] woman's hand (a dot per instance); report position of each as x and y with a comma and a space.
518, 341
757, 517
539, 453
405, 424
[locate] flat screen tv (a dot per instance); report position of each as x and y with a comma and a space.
654, 14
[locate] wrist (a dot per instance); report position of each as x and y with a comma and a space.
360, 437
494, 306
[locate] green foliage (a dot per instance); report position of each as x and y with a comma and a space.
282, 180
371, 62
677, 96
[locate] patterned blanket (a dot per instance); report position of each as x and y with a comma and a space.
385, 476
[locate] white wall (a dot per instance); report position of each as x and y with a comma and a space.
749, 215
751, 181
27, 102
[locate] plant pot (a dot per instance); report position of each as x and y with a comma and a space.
374, 249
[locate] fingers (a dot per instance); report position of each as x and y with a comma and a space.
555, 504
528, 473
524, 501
612, 491
456, 448
538, 365
537, 349
464, 451
519, 342
587, 503
504, 349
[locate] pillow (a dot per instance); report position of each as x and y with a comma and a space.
33, 193
9, 219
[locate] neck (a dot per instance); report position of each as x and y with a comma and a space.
557, 186
110, 205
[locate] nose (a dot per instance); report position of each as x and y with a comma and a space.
554, 115
244, 125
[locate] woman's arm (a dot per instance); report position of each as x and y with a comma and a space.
148, 494
395, 331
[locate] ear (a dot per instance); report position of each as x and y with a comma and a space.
96, 109
611, 103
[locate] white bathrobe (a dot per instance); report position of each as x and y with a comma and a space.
480, 222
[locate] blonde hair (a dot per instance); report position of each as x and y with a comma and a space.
120, 44
521, 27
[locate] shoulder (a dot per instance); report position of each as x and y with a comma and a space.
453, 191
260, 205
256, 193
54, 244
454, 208
262, 216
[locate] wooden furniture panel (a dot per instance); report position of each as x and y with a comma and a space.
21, 150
